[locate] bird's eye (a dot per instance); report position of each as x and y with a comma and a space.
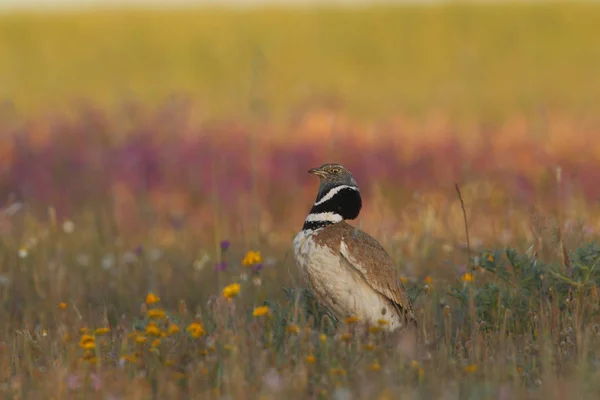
336, 170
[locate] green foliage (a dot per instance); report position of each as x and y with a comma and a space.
523, 284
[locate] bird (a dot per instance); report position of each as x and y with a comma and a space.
348, 271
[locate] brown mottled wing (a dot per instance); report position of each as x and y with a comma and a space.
376, 266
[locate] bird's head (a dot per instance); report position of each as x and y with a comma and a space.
338, 197
333, 175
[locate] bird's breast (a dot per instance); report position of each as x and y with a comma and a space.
338, 286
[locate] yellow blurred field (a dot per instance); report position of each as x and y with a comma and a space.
469, 60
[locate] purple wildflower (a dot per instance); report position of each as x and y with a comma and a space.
221, 266
73, 382
257, 267
225, 245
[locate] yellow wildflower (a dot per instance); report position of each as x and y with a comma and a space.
178, 375
151, 298
85, 338
140, 339
369, 346
404, 280
261, 311
468, 277
375, 329
351, 320
84, 330
101, 331
490, 257
471, 368
156, 313
132, 335
293, 328
62, 306
428, 280
251, 258
152, 329
375, 366
232, 290
417, 367
310, 359
196, 329
383, 322
88, 345
129, 358
337, 371
87, 342
323, 338
446, 310
156, 343
173, 329
346, 337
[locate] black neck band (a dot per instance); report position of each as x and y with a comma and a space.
346, 202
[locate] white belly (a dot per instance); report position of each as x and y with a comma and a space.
339, 287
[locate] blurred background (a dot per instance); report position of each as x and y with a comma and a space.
203, 117
153, 166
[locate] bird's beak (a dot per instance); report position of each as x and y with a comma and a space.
317, 171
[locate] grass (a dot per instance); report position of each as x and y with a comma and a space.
90, 315
105, 213
486, 60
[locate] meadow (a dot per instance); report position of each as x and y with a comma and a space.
153, 173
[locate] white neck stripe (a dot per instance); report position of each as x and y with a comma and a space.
333, 192
324, 217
